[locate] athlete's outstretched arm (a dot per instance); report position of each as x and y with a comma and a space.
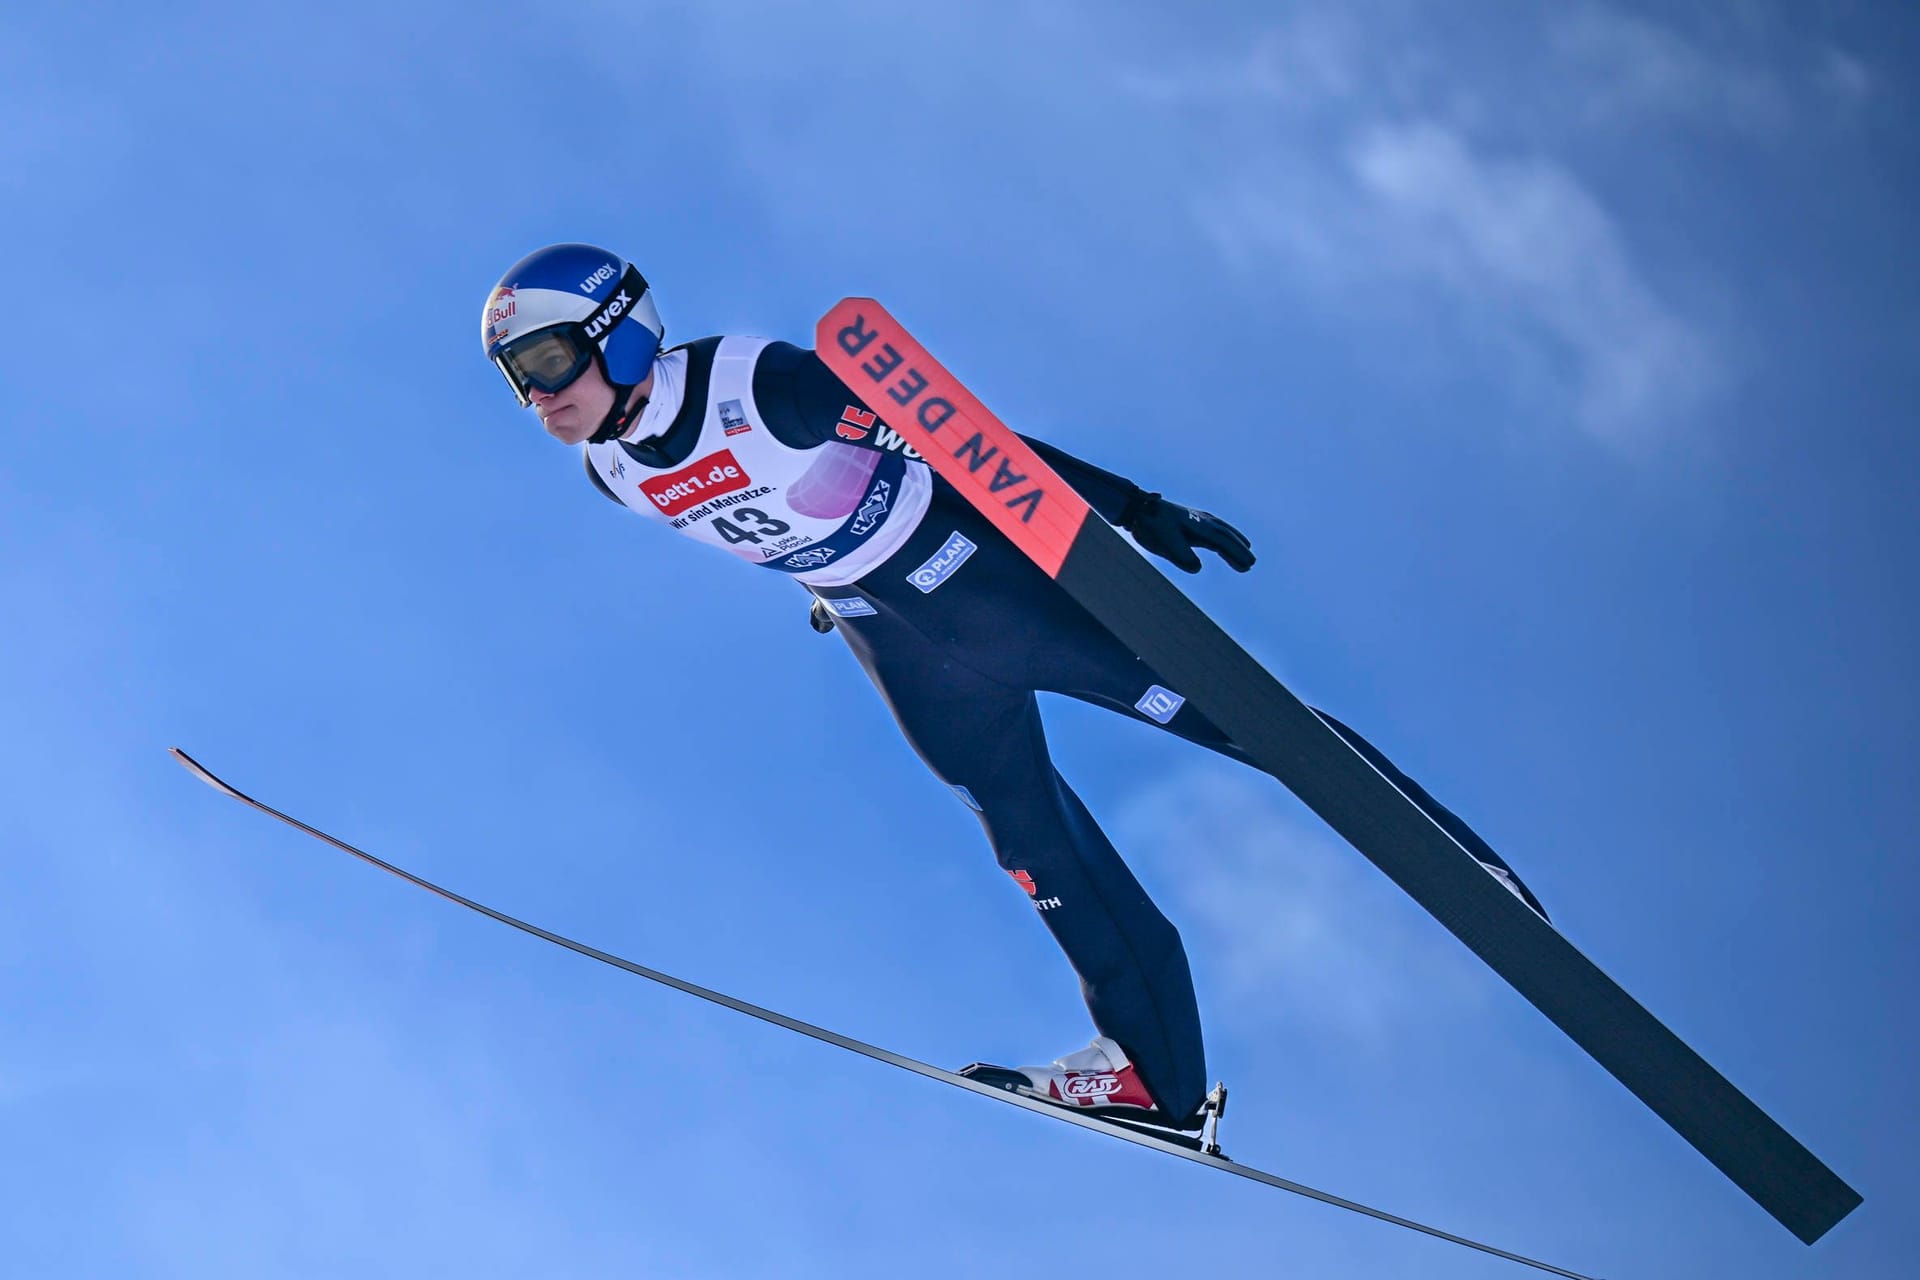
1165, 528
805, 403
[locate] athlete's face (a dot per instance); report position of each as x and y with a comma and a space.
572, 413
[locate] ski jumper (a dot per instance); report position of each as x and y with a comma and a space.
756, 448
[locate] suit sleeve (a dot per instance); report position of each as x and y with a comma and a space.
799, 397
1111, 495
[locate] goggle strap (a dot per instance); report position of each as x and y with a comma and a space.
632, 288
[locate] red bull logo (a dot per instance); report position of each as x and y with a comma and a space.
499, 310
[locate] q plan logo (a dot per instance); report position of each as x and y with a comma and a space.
711, 476
943, 562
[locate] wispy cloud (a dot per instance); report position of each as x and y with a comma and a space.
1290, 923
1514, 249
1845, 77
1390, 169
1749, 76
1621, 66
1528, 243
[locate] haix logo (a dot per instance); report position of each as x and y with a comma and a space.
872, 509
809, 559
944, 561
597, 279
1092, 1086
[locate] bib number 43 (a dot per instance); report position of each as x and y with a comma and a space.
753, 525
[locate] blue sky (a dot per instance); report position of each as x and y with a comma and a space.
1560, 363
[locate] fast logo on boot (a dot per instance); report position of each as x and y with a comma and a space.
1091, 1088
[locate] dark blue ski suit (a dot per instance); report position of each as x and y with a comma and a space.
959, 663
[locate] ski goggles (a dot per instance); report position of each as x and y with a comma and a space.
550, 359
546, 360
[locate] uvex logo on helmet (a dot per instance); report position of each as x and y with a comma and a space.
597, 299
604, 318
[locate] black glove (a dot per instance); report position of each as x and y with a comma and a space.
1170, 530
820, 618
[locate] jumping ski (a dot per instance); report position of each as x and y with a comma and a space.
1028, 501
1203, 1151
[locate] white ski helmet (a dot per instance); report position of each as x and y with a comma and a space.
566, 306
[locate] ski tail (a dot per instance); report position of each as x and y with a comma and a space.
1002, 477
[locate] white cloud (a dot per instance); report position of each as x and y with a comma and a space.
1409, 184
1512, 252
1291, 925
1526, 240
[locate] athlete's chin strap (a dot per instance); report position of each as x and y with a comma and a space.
619, 419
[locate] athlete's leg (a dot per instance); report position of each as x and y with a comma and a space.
1099, 670
1443, 817
984, 739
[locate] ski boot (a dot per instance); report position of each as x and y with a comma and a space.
1101, 1082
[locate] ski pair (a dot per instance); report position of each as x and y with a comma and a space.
1007, 482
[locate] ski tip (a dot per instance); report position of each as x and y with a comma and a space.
201, 772
844, 313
